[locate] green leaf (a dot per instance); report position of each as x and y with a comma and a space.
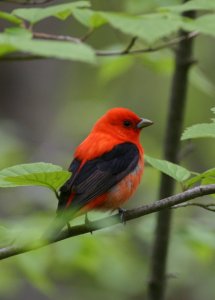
160, 62
150, 27
190, 182
175, 171
89, 18
35, 174
60, 50
61, 11
18, 32
192, 5
204, 130
10, 18
204, 24
112, 68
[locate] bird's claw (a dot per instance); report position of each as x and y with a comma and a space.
88, 224
121, 212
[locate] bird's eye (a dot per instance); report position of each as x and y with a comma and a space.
127, 123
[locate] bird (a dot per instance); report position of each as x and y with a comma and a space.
106, 169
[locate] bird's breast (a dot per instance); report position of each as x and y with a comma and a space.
121, 192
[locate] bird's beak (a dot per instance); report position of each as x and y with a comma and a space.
144, 123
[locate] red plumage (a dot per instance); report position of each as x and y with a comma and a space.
107, 166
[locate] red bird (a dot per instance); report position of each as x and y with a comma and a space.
107, 166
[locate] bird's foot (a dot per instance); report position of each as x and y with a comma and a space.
88, 224
121, 212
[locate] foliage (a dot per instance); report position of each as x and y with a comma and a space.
101, 265
38, 174
150, 28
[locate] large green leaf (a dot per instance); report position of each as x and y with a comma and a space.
175, 171
56, 49
35, 174
61, 11
204, 24
204, 130
193, 5
150, 28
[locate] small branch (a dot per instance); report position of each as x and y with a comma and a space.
112, 220
48, 36
209, 206
130, 45
87, 35
126, 51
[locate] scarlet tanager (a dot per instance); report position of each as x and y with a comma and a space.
106, 169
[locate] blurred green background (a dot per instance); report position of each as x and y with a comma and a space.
47, 108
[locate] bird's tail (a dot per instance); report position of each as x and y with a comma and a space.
53, 231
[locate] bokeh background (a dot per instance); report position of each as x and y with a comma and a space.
46, 108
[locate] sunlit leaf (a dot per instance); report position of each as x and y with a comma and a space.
207, 177
160, 62
112, 68
10, 18
204, 24
55, 49
175, 171
204, 130
60, 11
89, 18
18, 32
193, 5
150, 28
35, 174
192, 181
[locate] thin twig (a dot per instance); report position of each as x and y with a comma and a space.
130, 45
127, 50
112, 220
209, 206
48, 36
87, 34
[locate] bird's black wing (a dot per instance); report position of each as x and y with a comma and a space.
97, 176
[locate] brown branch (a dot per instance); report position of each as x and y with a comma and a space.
208, 206
112, 220
48, 36
126, 51
171, 148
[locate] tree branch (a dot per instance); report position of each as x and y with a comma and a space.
112, 220
126, 51
171, 148
208, 206
55, 37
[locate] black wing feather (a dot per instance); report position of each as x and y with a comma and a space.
97, 176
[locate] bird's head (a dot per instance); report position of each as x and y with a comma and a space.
122, 123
